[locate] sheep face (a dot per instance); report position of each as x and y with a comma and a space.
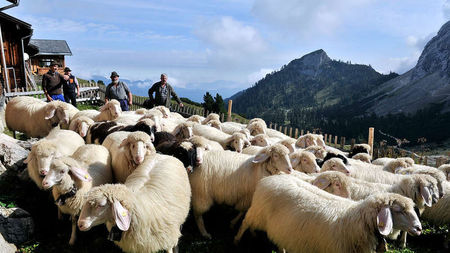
289, 145
195, 118
260, 140
137, 150
183, 131
56, 113
277, 158
332, 182
43, 153
188, 155
306, 140
113, 108
164, 110
395, 165
59, 174
215, 124
335, 164
102, 206
304, 162
237, 142
403, 218
256, 128
318, 151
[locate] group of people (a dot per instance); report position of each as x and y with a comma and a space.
65, 88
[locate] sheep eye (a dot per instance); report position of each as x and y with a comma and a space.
61, 172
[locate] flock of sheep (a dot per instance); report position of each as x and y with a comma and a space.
140, 172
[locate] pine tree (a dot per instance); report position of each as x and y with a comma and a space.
208, 105
218, 104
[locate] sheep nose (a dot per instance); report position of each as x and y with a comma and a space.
43, 172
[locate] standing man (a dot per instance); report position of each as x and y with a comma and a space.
69, 87
163, 92
52, 82
118, 90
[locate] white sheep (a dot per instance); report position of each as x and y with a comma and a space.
150, 218
196, 119
304, 161
422, 169
446, 169
211, 116
34, 117
384, 160
252, 150
215, 123
362, 157
58, 143
71, 177
128, 150
81, 125
317, 150
257, 127
263, 140
230, 178
109, 111
298, 218
231, 127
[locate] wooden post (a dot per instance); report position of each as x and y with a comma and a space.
370, 139
290, 132
314, 131
307, 132
230, 105
296, 133
352, 143
222, 117
335, 141
285, 130
270, 125
425, 160
281, 128
325, 138
275, 126
342, 142
301, 132
330, 137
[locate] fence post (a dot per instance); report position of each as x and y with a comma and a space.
325, 138
270, 125
330, 137
301, 132
296, 133
285, 130
307, 131
230, 105
425, 160
281, 129
290, 132
342, 142
352, 143
335, 141
222, 117
370, 139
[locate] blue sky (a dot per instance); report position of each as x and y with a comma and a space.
228, 45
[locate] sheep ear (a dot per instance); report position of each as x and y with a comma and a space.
150, 147
176, 131
50, 112
322, 183
81, 174
29, 158
384, 221
301, 142
308, 142
121, 216
425, 193
261, 157
104, 108
124, 143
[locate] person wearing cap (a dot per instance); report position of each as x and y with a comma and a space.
120, 91
70, 87
52, 83
163, 91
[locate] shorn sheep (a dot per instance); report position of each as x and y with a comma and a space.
58, 143
299, 218
128, 150
72, 177
230, 178
34, 117
146, 220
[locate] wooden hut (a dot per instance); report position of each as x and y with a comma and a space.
14, 36
48, 51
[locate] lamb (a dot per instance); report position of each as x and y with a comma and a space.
89, 166
185, 151
37, 118
446, 169
304, 161
230, 178
145, 220
109, 111
317, 150
298, 218
211, 116
58, 143
437, 174
100, 130
128, 150
362, 157
81, 125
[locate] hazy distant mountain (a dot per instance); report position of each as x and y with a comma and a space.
426, 84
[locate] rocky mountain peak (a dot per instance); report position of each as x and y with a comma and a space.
435, 56
309, 64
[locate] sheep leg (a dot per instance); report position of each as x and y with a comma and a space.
403, 239
236, 219
242, 229
73, 236
201, 225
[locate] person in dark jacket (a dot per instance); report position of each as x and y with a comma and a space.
120, 91
52, 82
163, 91
71, 88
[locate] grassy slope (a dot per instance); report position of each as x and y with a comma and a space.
52, 235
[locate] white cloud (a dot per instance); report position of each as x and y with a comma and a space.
446, 9
305, 17
229, 40
258, 75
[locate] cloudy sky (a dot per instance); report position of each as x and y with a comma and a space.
230, 44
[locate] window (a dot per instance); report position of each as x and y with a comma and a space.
45, 62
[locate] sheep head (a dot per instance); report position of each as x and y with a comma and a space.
201, 145
81, 125
137, 145
183, 131
333, 182
211, 116
257, 127
237, 142
288, 143
214, 123
106, 204
395, 165
276, 157
394, 211
335, 164
317, 150
112, 108
306, 140
304, 162
42, 152
56, 112
195, 118
164, 110
59, 173
261, 140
